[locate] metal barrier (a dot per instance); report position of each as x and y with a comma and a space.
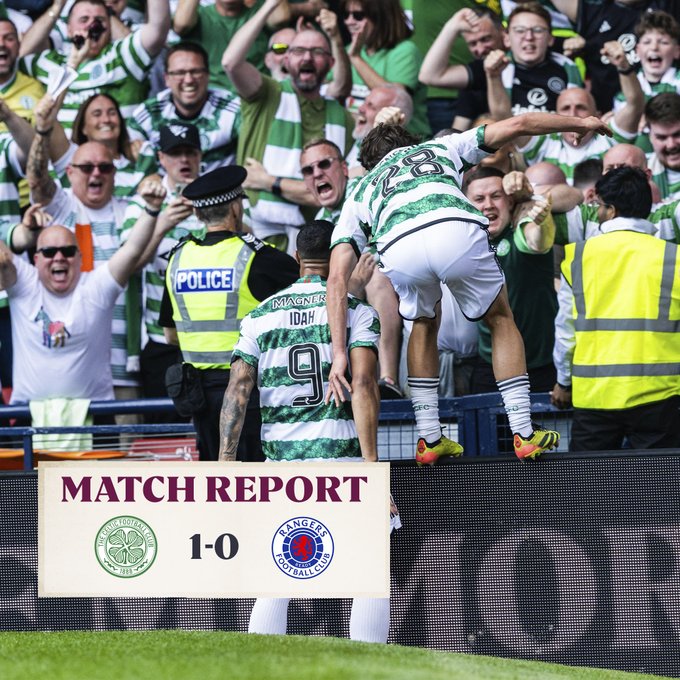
478, 422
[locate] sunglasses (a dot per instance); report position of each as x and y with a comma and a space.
50, 251
88, 168
308, 170
279, 48
357, 16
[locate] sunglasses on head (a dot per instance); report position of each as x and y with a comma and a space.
356, 15
308, 170
279, 48
88, 168
50, 251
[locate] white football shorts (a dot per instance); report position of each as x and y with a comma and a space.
456, 253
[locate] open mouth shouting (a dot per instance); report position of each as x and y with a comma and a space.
185, 172
59, 272
5, 59
324, 191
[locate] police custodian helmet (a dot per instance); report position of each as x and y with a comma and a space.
217, 187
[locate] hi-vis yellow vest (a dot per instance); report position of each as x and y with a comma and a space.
210, 295
626, 289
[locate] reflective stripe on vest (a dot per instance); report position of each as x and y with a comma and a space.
662, 324
602, 385
228, 324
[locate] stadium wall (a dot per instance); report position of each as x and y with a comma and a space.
575, 561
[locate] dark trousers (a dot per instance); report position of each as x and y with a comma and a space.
207, 423
650, 426
440, 113
5, 347
155, 360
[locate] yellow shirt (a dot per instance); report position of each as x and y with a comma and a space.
22, 94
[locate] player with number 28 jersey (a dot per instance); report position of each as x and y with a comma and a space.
429, 177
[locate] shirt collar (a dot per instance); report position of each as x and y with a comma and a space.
628, 224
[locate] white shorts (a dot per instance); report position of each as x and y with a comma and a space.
455, 253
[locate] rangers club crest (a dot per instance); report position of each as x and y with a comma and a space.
302, 547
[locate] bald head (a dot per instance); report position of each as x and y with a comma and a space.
92, 174
575, 101
275, 58
624, 155
84, 151
56, 234
545, 173
57, 260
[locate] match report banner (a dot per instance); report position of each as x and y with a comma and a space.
112, 529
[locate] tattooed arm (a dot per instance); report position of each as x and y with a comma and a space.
40, 183
242, 379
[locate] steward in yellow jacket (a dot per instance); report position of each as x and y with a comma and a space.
617, 335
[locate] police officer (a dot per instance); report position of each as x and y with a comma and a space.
210, 285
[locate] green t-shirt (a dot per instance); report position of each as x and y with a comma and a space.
401, 64
258, 114
531, 291
429, 19
215, 32
257, 117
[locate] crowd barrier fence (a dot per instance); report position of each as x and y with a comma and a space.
478, 422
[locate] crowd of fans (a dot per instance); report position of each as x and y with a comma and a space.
109, 108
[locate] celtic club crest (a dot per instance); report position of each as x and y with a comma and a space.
125, 546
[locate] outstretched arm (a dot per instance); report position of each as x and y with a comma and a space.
500, 105
20, 130
242, 378
36, 37
186, 16
8, 270
627, 118
41, 185
436, 70
343, 261
124, 261
568, 7
341, 85
246, 78
154, 32
504, 131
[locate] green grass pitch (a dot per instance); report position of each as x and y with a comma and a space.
198, 655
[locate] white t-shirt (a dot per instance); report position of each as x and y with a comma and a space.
106, 224
62, 344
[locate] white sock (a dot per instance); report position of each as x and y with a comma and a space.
425, 400
269, 616
370, 619
515, 393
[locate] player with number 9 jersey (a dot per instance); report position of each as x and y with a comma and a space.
287, 340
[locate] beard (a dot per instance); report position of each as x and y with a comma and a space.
305, 85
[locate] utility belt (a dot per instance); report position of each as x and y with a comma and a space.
185, 387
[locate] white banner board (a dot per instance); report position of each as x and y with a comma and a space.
117, 529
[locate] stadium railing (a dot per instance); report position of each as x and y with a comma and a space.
478, 422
